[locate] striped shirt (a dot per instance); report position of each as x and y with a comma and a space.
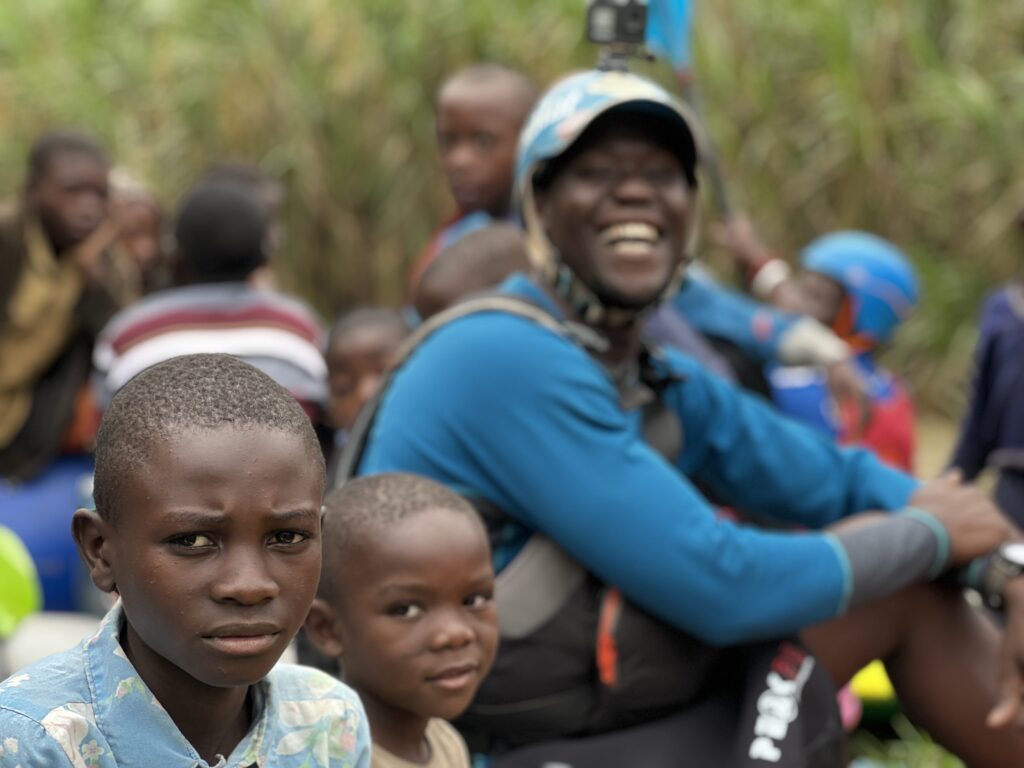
276, 333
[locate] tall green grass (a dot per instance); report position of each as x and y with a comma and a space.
902, 118
912, 749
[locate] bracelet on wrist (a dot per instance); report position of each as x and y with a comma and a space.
768, 276
990, 574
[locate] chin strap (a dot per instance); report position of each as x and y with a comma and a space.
585, 304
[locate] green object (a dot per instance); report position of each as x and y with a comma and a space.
20, 592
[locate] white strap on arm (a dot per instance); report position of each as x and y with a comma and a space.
768, 277
808, 342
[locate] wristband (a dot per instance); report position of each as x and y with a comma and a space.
769, 276
755, 266
941, 538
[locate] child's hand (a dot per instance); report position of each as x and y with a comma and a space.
88, 254
738, 237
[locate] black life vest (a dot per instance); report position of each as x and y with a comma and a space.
576, 658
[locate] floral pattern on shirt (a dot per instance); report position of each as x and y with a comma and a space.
88, 708
321, 729
69, 725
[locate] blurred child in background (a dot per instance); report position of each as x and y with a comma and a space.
992, 434
56, 292
480, 111
861, 287
360, 349
480, 260
220, 232
140, 239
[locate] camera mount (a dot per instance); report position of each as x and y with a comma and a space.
620, 28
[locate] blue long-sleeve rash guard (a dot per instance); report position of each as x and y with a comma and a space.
715, 310
496, 406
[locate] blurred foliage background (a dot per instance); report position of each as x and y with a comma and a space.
901, 118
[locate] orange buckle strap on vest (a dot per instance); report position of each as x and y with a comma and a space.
607, 651
843, 327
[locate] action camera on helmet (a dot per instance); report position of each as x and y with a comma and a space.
617, 21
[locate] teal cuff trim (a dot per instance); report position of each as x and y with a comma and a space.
941, 538
847, 573
975, 572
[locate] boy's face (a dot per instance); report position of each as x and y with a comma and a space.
139, 226
822, 296
417, 625
477, 133
216, 553
356, 363
70, 197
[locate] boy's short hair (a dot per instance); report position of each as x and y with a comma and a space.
193, 392
365, 509
490, 74
266, 189
238, 172
364, 317
53, 143
479, 260
221, 231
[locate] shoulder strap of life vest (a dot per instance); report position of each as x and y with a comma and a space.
587, 338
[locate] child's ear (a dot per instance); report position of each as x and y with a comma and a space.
92, 536
321, 626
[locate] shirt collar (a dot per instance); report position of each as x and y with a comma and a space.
135, 724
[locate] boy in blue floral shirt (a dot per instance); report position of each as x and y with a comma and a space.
207, 525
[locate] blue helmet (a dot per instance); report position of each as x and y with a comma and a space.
558, 120
877, 278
